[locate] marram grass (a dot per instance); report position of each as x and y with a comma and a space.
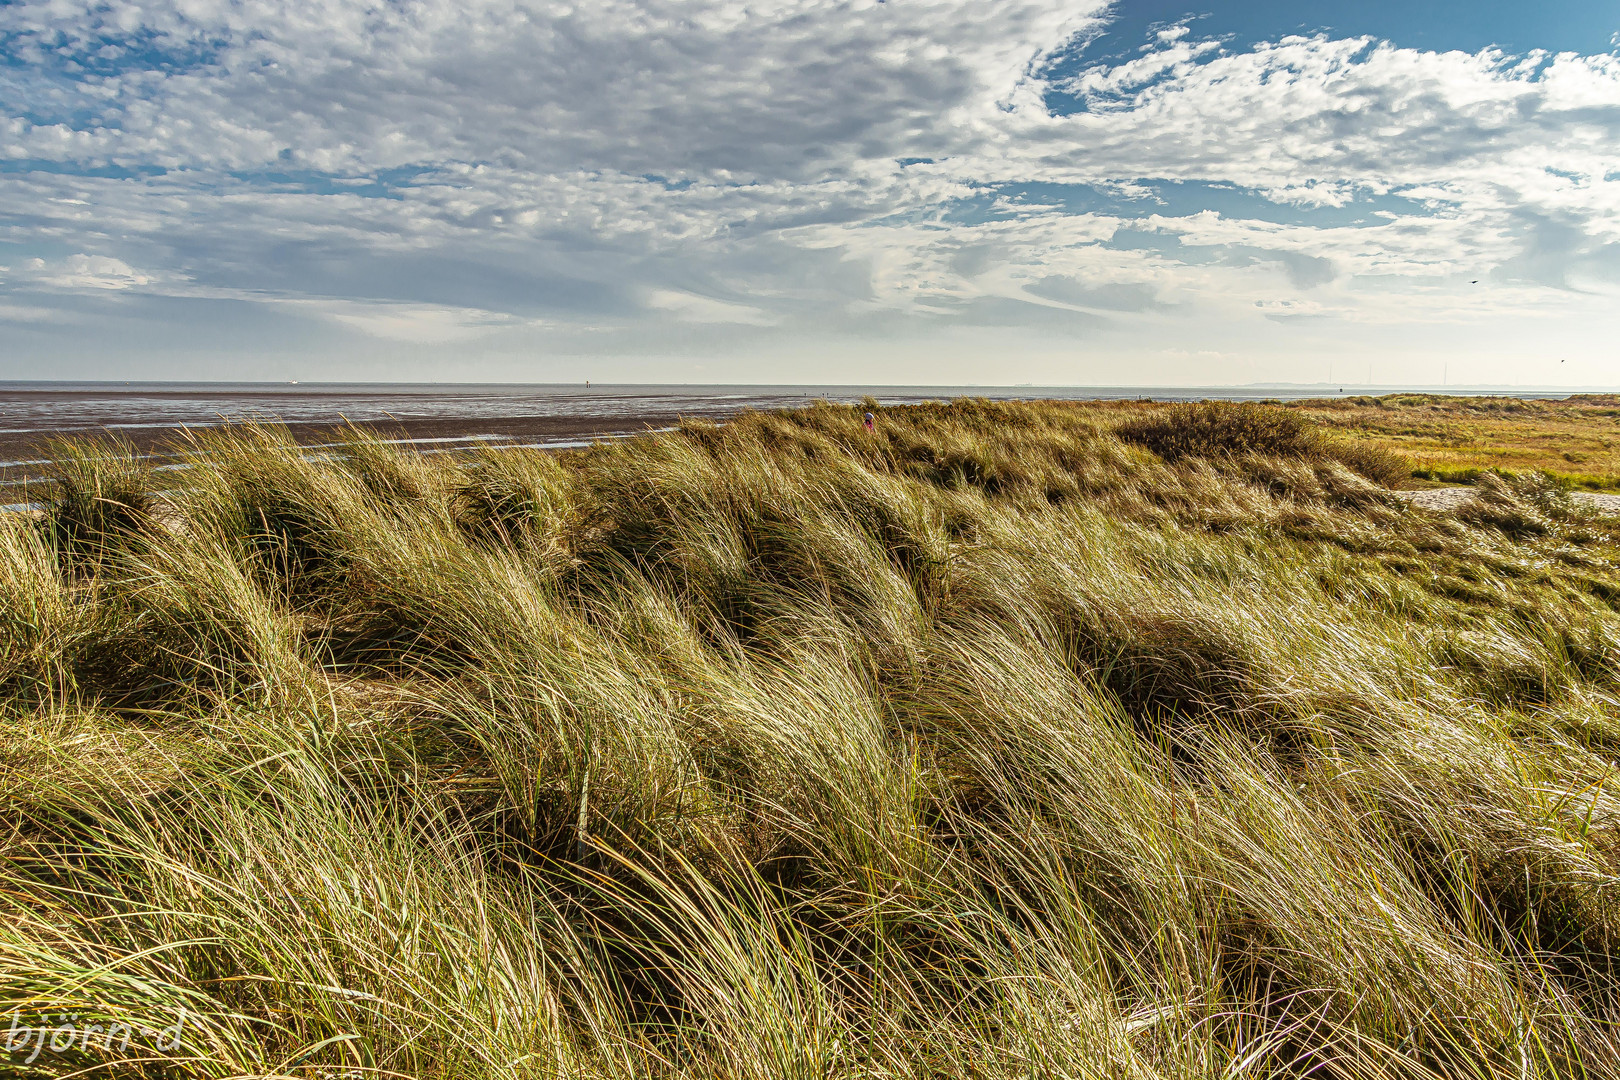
990, 744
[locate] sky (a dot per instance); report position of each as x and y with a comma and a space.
1148, 192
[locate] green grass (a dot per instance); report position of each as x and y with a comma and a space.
1454, 439
992, 743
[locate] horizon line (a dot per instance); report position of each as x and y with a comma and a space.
1345, 389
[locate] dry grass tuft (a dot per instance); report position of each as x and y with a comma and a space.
1213, 429
1002, 740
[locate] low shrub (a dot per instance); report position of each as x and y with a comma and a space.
102, 494
1216, 429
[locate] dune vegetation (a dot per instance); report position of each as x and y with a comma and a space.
1454, 439
1003, 741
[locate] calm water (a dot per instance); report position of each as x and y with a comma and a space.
38, 408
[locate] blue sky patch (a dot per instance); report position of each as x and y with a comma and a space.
1182, 198
383, 184
67, 168
1515, 26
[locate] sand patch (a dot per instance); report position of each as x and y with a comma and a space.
1454, 498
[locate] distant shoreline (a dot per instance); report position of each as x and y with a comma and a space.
154, 416
193, 387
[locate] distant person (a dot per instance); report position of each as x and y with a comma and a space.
871, 422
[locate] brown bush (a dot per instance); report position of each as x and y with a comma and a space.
1214, 429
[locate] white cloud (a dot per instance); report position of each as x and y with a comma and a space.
688, 307
23, 313
83, 271
1314, 110
795, 88
449, 173
427, 324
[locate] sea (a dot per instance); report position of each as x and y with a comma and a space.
47, 408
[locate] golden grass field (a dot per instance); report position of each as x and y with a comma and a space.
1452, 439
1003, 741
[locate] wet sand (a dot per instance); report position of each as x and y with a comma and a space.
157, 418
24, 458
20, 447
